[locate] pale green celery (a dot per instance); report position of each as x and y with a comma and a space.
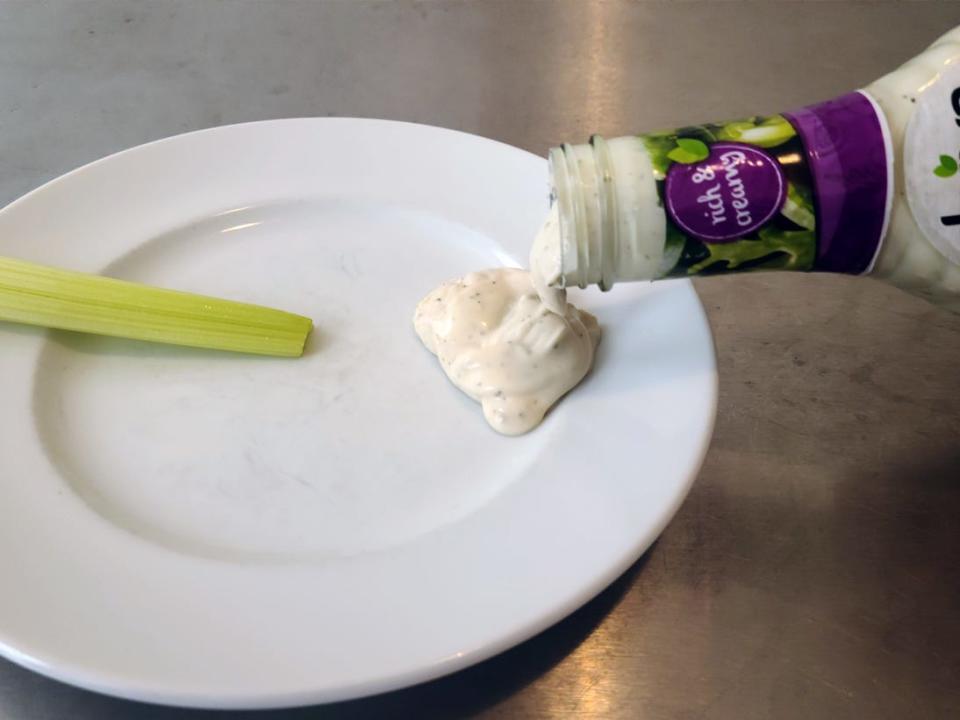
48, 297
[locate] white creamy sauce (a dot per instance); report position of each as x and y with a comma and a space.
499, 343
546, 264
641, 218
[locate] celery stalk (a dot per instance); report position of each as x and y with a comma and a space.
48, 297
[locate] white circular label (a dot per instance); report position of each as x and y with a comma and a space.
932, 162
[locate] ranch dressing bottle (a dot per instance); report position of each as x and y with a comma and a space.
867, 183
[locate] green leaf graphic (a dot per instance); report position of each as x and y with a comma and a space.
680, 155
689, 151
946, 168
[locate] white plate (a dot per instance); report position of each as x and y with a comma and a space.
206, 529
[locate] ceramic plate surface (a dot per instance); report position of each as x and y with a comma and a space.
201, 528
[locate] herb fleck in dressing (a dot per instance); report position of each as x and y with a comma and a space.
499, 343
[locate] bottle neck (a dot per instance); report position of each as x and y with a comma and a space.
582, 190
612, 226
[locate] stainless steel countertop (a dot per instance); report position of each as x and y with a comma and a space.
814, 571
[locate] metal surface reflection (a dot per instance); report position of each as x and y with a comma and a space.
812, 572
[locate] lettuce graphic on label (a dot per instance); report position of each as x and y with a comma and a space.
763, 132
799, 207
774, 249
689, 151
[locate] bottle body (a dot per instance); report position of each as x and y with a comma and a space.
854, 185
919, 98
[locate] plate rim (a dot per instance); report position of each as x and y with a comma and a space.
81, 676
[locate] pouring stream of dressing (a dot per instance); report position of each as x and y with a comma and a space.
546, 264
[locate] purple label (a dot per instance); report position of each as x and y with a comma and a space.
732, 192
847, 154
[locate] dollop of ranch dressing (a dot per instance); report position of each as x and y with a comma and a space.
499, 343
